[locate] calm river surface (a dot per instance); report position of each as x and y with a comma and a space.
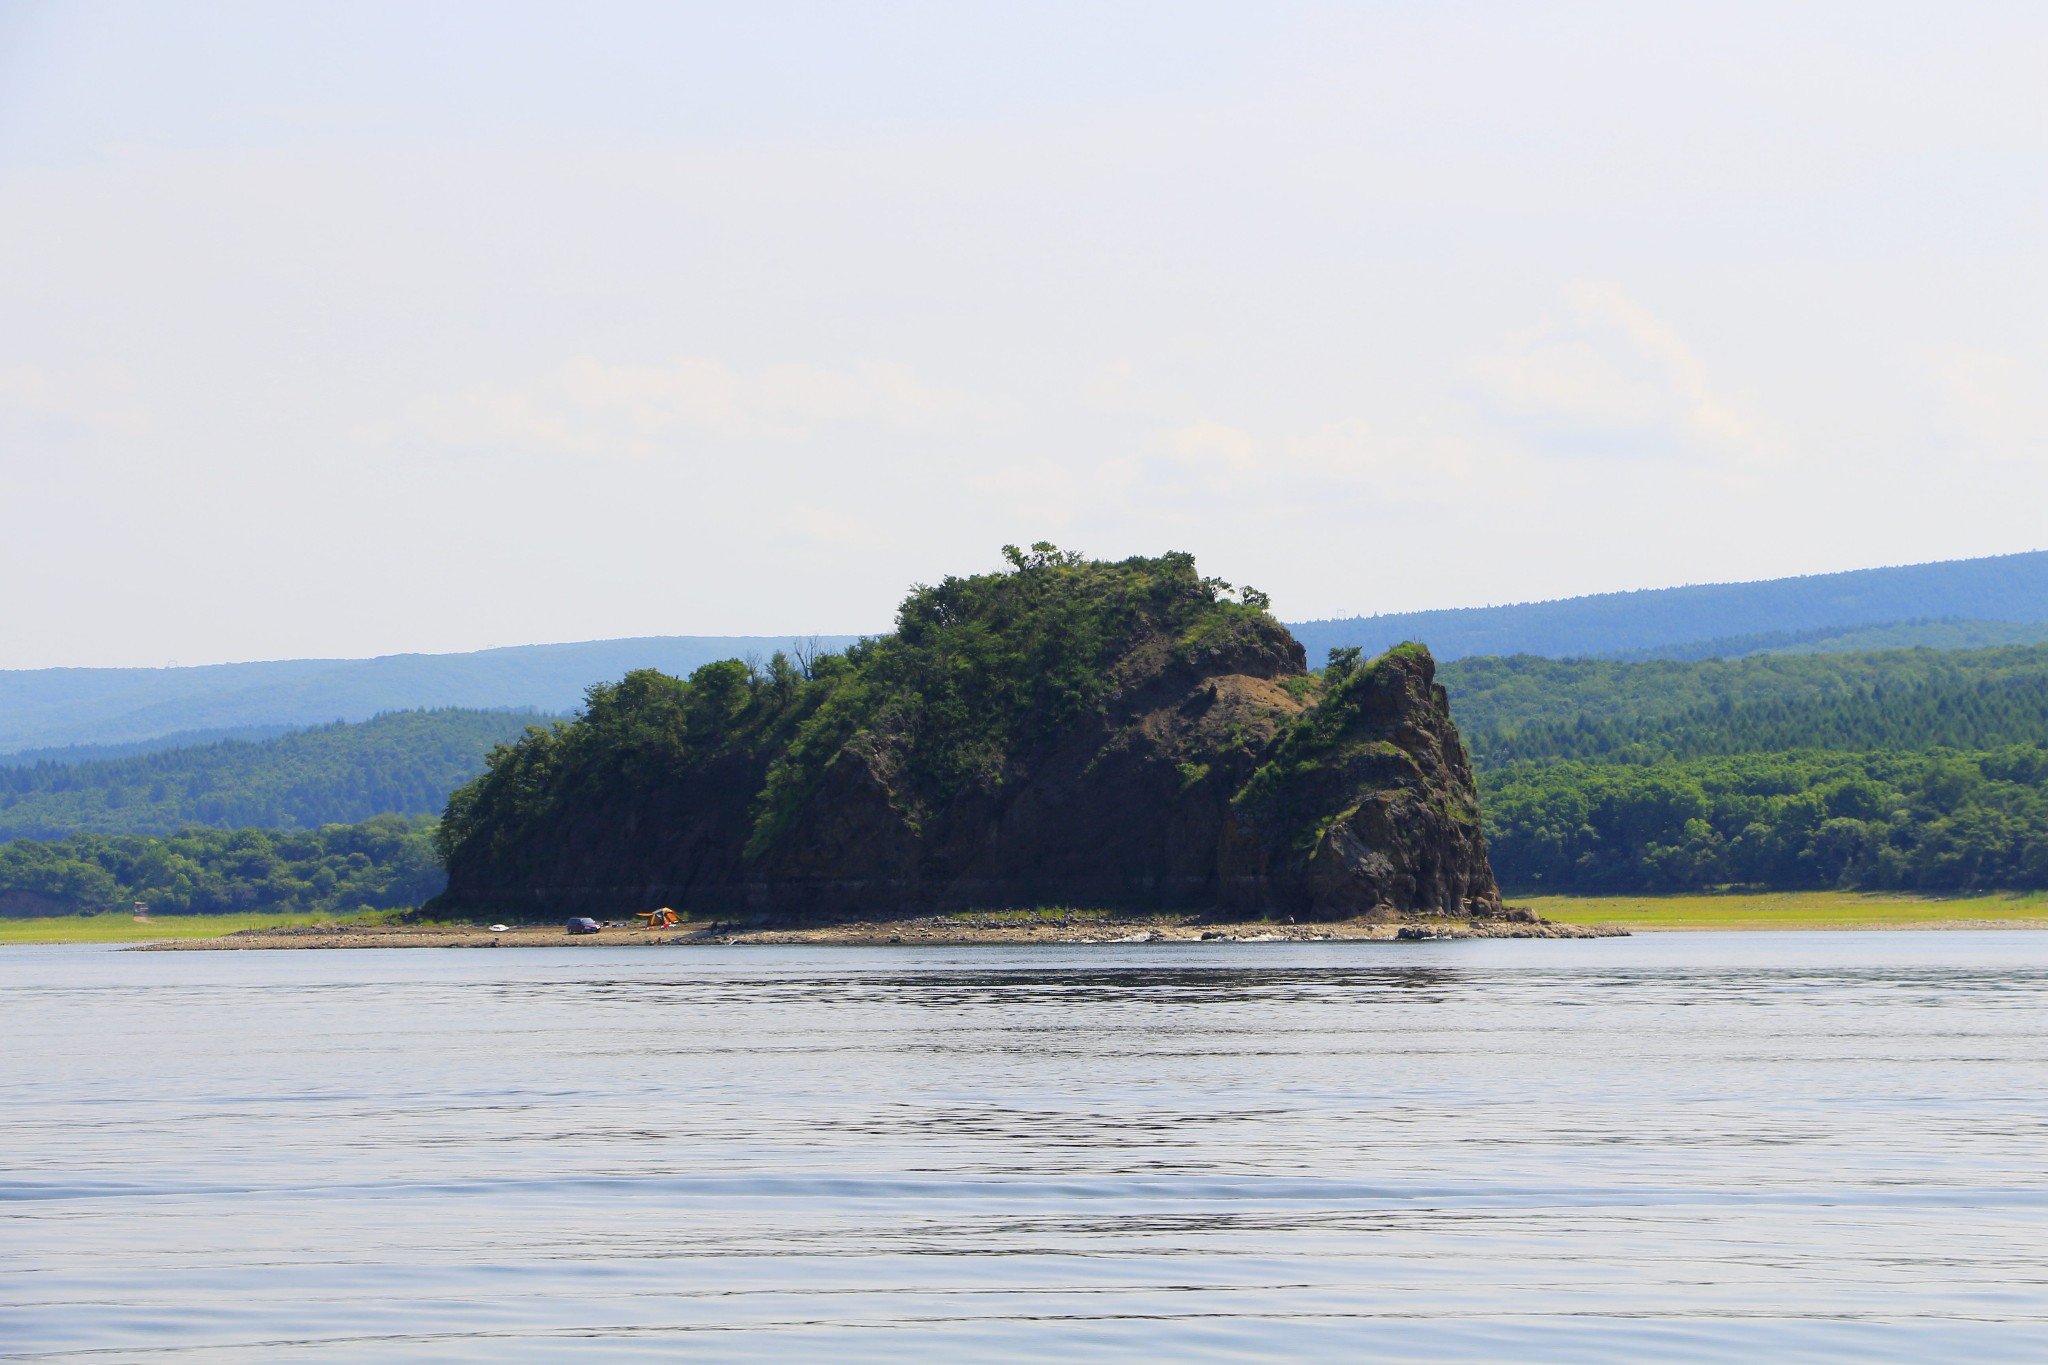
1684, 1146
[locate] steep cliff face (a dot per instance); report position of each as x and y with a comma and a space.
1367, 806
1072, 733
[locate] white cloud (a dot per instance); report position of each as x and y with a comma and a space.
1991, 408
1208, 472
1211, 454
836, 527
78, 402
590, 409
1612, 378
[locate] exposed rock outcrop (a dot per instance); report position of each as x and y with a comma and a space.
1073, 733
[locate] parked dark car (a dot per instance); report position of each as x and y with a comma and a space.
580, 925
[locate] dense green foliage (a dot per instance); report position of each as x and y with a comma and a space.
979, 671
2005, 588
1526, 707
385, 863
1941, 820
1954, 712
1899, 769
405, 763
633, 735
983, 668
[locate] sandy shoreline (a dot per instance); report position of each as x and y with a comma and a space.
929, 931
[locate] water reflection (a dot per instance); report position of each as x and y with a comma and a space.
1016, 986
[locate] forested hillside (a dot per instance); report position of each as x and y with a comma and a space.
1912, 768
2005, 588
183, 739
1529, 707
1939, 821
1943, 712
404, 763
1906, 769
381, 864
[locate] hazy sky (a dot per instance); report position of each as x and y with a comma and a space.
355, 328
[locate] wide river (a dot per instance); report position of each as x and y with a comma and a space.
1683, 1146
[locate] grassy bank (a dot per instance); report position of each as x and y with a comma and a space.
1793, 910
1729, 910
123, 929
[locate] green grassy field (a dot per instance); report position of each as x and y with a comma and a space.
123, 929
1730, 910
1791, 910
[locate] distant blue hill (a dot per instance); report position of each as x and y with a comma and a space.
1946, 635
54, 708
400, 763
1978, 592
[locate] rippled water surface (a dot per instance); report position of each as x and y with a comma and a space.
1682, 1146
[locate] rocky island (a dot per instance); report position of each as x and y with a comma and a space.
1128, 736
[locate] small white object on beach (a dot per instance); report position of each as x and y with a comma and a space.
501, 928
